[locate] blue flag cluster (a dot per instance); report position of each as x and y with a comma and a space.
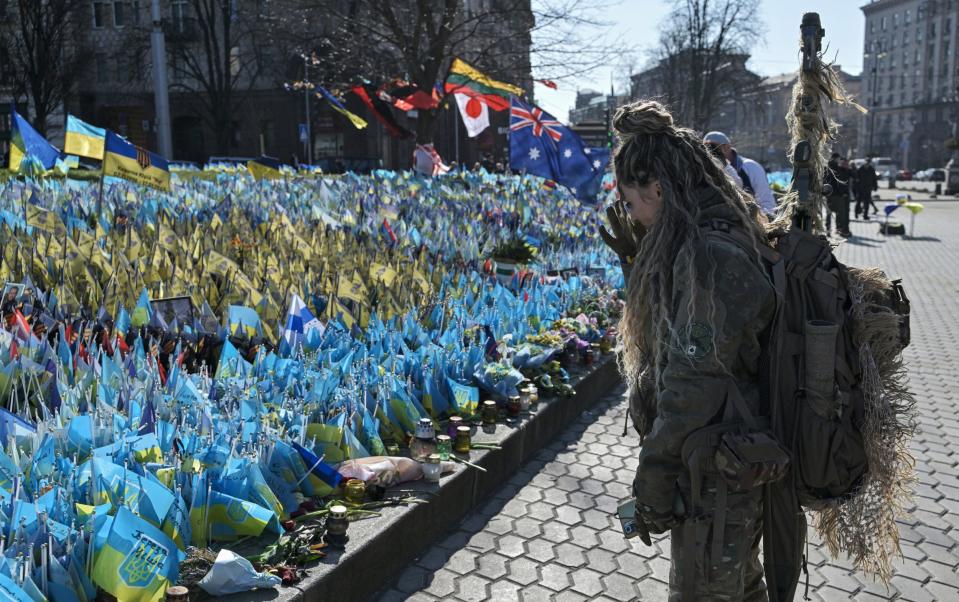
542, 146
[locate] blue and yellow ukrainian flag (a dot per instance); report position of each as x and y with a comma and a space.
83, 139
26, 141
124, 160
136, 561
357, 121
264, 168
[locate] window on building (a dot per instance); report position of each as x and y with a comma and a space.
918, 34
920, 12
882, 24
872, 26
932, 29
905, 37
100, 14
119, 14
945, 50
179, 13
918, 55
947, 28
267, 134
907, 17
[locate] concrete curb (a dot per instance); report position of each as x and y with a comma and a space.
381, 546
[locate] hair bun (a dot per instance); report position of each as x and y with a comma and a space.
644, 117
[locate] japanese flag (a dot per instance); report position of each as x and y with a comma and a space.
475, 113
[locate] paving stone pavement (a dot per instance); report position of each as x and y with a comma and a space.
549, 532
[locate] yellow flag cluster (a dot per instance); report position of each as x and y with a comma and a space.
226, 261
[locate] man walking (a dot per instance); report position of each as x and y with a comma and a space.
866, 183
837, 176
750, 172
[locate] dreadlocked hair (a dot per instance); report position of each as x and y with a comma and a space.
651, 148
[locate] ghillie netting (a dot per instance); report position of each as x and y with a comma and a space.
863, 526
807, 120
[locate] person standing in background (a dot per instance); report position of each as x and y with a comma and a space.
752, 174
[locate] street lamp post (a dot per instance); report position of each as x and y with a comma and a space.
875, 91
952, 167
306, 95
161, 98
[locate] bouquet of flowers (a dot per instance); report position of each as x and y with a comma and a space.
499, 378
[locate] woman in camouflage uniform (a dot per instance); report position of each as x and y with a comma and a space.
696, 307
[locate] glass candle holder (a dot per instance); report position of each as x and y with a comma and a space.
354, 491
432, 468
463, 440
489, 412
513, 406
336, 526
454, 424
444, 446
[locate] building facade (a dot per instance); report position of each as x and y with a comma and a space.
117, 90
911, 81
591, 116
756, 120
664, 82
752, 112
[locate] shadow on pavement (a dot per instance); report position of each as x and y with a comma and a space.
420, 573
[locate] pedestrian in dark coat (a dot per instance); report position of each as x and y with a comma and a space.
866, 183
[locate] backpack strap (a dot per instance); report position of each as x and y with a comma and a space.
720, 229
739, 405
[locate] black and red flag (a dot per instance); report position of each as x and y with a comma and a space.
380, 110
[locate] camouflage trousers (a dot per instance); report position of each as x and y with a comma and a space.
706, 567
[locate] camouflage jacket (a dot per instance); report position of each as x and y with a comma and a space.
703, 353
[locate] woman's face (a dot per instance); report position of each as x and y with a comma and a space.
642, 202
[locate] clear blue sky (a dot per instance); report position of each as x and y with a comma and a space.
637, 23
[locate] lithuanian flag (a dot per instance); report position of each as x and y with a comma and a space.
463, 78
83, 139
124, 160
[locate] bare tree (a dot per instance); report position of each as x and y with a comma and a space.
43, 62
221, 50
702, 46
417, 40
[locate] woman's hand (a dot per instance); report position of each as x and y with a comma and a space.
624, 236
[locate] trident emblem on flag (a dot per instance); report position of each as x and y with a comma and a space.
143, 158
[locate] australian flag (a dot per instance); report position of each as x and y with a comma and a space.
543, 146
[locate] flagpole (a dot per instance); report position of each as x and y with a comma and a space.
456, 131
99, 198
